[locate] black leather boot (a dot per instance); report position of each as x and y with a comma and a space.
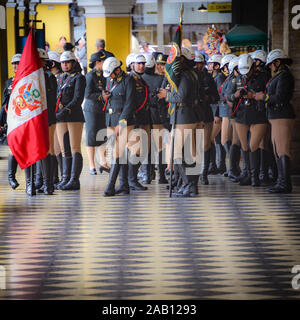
264, 166
60, 167
161, 169
38, 181
206, 160
54, 168
221, 156
182, 179
246, 179
30, 188
47, 176
149, 170
12, 169
113, 175
189, 188
123, 178
284, 184
77, 163
175, 178
132, 176
234, 160
272, 171
66, 172
212, 165
254, 167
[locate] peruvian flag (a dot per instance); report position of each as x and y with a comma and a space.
27, 117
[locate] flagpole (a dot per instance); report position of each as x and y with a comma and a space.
173, 127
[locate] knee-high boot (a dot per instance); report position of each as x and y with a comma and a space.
254, 167
212, 165
30, 187
221, 156
66, 172
54, 166
234, 160
12, 169
206, 160
123, 178
246, 180
161, 169
132, 176
284, 183
77, 163
47, 175
113, 175
38, 181
149, 169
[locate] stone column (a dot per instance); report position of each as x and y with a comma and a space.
110, 20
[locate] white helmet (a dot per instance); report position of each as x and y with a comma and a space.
245, 63
139, 58
150, 61
43, 54
110, 65
226, 59
67, 56
130, 59
233, 63
199, 57
260, 55
275, 54
188, 53
16, 58
215, 58
54, 56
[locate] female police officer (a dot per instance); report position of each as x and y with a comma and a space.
12, 162
142, 121
70, 94
250, 116
47, 164
158, 113
208, 95
119, 106
93, 110
281, 115
186, 99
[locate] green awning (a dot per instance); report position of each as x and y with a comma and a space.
246, 35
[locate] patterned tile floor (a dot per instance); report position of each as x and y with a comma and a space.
230, 242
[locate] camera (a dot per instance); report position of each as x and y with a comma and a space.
243, 92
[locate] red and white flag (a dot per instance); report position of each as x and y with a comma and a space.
27, 117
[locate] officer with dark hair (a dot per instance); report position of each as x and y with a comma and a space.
186, 99
142, 120
208, 95
119, 105
12, 162
158, 113
47, 164
70, 118
214, 64
93, 111
160, 61
281, 115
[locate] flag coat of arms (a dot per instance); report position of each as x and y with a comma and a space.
27, 117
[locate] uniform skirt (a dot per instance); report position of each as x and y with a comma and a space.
224, 111
95, 121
